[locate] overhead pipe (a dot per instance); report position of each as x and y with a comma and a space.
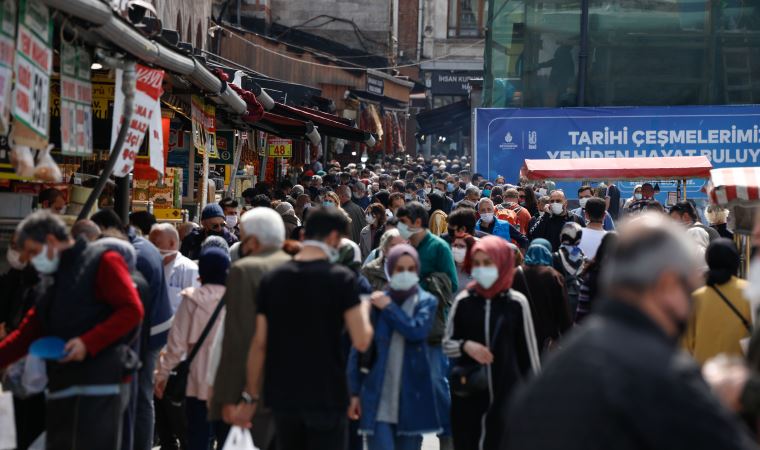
122, 34
129, 79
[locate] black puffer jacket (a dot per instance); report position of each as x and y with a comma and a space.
620, 383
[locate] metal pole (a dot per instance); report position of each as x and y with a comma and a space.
236, 163
128, 88
121, 203
583, 54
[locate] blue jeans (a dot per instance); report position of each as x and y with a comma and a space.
439, 366
199, 433
145, 416
385, 438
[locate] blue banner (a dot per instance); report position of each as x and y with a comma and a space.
504, 137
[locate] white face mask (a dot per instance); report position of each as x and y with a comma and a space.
370, 219
485, 276
44, 265
541, 192
168, 252
406, 231
459, 254
637, 196
14, 259
486, 217
583, 202
231, 221
403, 281
557, 208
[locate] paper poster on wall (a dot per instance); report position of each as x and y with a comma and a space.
148, 91
76, 101
7, 53
32, 65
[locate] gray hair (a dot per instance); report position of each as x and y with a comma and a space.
386, 239
472, 190
297, 190
167, 229
266, 225
86, 228
215, 241
484, 200
38, 225
649, 246
122, 247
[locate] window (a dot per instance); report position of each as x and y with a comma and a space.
467, 17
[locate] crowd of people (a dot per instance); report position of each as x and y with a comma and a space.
365, 307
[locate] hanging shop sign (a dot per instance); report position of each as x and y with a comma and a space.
7, 52
32, 65
146, 105
375, 85
203, 118
450, 82
75, 101
280, 148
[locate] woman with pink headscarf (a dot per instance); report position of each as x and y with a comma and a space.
492, 343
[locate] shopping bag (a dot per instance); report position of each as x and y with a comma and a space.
239, 439
7, 421
34, 378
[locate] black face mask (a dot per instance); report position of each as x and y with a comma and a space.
219, 232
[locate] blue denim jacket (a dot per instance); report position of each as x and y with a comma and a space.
417, 407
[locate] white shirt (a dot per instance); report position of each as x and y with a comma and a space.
590, 241
180, 274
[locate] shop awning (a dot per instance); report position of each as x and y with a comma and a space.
734, 185
386, 102
328, 124
673, 168
446, 119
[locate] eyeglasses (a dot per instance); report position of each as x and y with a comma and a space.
216, 226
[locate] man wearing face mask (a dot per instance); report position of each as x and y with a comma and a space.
320, 299
488, 223
88, 299
624, 367
180, 271
262, 236
213, 222
549, 226
584, 194
646, 202
230, 208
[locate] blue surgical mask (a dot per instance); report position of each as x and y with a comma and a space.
405, 231
450, 187
403, 281
485, 276
44, 265
486, 192
327, 204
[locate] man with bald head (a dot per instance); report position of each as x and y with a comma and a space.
180, 271
355, 212
549, 225
620, 380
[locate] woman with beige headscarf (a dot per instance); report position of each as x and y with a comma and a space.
288, 214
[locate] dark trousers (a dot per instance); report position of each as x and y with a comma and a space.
30, 419
198, 428
311, 431
85, 422
171, 425
145, 414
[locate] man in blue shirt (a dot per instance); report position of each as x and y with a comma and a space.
585, 193
488, 223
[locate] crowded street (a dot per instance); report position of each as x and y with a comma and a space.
379, 225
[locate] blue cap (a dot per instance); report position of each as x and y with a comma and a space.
212, 210
213, 265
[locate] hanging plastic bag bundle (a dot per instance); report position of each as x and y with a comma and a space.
239, 439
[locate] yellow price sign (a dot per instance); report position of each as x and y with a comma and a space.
280, 148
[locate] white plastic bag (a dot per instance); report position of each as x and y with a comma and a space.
46, 168
22, 160
7, 422
34, 378
238, 439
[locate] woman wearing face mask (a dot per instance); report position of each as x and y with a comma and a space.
374, 270
460, 246
331, 200
634, 198
545, 289
438, 218
569, 261
491, 338
371, 234
394, 399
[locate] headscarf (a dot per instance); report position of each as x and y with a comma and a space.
213, 265
723, 261
502, 256
538, 254
396, 252
543, 243
122, 247
570, 237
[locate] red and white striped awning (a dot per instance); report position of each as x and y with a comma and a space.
734, 185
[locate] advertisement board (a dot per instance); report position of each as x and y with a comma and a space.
504, 137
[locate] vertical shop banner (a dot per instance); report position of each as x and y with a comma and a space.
148, 92
728, 136
156, 142
32, 65
210, 126
76, 101
7, 52
203, 118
